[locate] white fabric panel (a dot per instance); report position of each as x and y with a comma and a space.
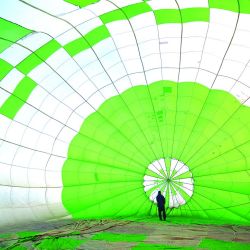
60, 148
121, 3
7, 151
148, 40
55, 7
120, 85
85, 110
221, 28
62, 91
224, 83
15, 54
35, 41
52, 127
159, 4
124, 40
42, 22
117, 71
101, 80
30, 138
15, 132
4, 125
53, 197
188, 75
49, 105
104, 47
66, 135
101, 7
137, 78
245, 76
96, 100
243, 23
154, 75
19, 178
36, 178
241, 92
78, 16
68, 36
133, 65
143, 20
10, 81
44, 143
86, 90
3, 96
193, 3
77, 79
25, 114
85, 57
41, 72
110, 59
93, 69
67, 69
75, 121
118, 27
62, 113
169, 30
88, 26
38, 161
5, 196
205, 78
38, 121
73, 100
170, 74
5, 179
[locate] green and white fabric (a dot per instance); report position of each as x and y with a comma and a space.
97, 98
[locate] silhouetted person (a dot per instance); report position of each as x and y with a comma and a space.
161, 205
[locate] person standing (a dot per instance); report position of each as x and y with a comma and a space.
161, 205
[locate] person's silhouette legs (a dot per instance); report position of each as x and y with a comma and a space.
164, 214
161, 211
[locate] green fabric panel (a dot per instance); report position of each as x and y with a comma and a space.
82, 3
38, 56
12, 32
15, 102
29, 63
48, 49
195, 15
97, 35
5, 68
136, 9
90, 39
76, 46
167, 16
125, 12
11, 107
244, 6
112, 16
108, 158
188, 15
231, 5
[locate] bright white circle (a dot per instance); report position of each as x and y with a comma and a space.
173, 178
